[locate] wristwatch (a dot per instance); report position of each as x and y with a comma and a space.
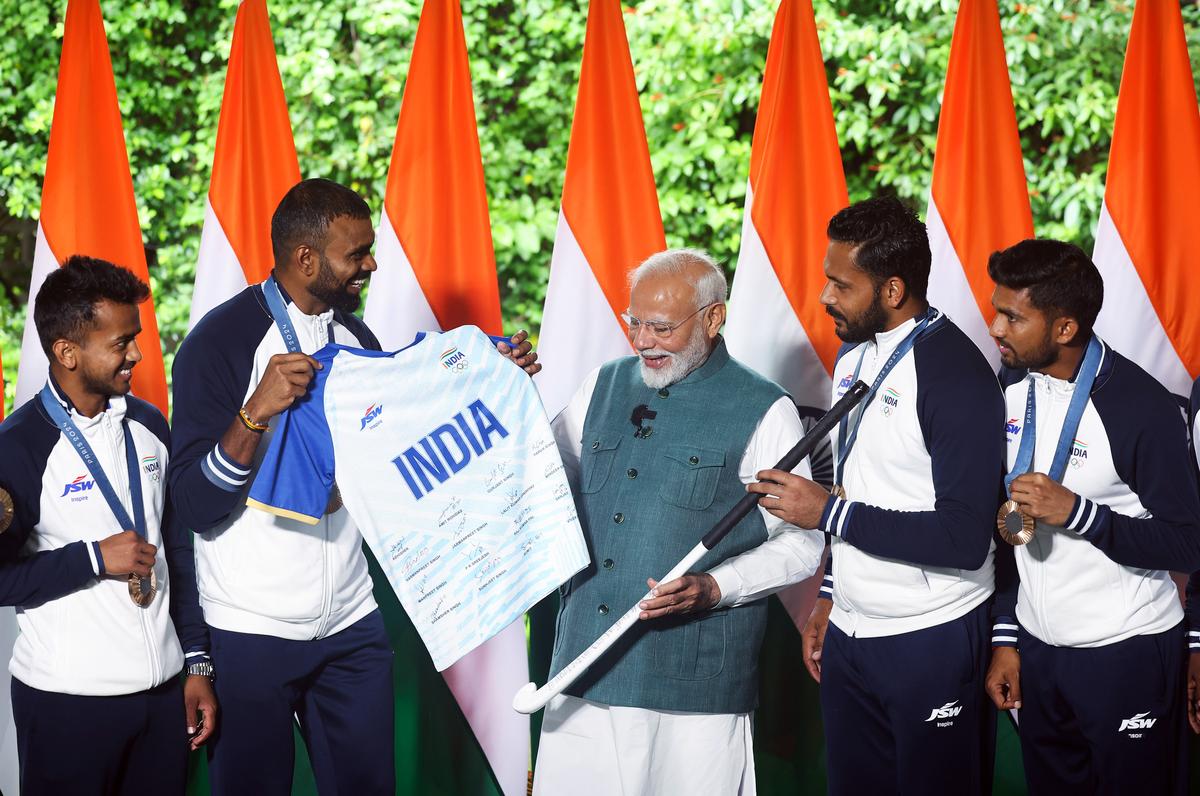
200, 669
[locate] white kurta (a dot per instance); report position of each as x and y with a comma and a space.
589, 749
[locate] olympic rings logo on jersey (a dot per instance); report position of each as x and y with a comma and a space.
454, 360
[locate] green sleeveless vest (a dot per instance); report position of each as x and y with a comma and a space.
644, 502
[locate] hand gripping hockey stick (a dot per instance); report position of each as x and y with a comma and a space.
531, 698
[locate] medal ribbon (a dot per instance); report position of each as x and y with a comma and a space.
69, 430
1066, 438
279, 314
846, 442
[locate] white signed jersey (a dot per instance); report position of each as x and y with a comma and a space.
444, 457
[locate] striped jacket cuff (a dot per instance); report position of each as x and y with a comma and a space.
1004, 631
826, 591
223, 471
93, 550
196, 656
1194, 641
1086, 515
835, 516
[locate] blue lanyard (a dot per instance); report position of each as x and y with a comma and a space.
69, 430
1066, 438
279, 314
846, 443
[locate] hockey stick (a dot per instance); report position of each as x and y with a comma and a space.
531, 698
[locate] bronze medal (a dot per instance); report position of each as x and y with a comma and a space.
838, 491
142, 590
6, 510
335, 500
1015, 526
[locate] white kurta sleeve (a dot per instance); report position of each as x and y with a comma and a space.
568, 428
790, 554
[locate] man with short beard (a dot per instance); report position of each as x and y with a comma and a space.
296, 633
898, 640
1090, 647
658, 447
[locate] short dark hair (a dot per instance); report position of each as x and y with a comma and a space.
305, 213
889, 240
1059, 276
66, 302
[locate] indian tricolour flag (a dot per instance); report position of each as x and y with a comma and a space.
1148, 235
88, 208
437, 271
777, 324
980, 200
609, 220
254, 165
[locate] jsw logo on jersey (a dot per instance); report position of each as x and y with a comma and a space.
946, 711
1137, 722
448, 448
845, 383
78, 485
1013, 427
372, 414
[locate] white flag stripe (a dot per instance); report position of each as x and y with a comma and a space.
495, 671
579, 330
396, 306
33, 367
762, 330
950, 291
1128, 321
219, 274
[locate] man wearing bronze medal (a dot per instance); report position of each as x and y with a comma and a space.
1088, 638
295, 630
90, 554
898, 640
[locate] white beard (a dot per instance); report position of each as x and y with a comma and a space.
679, 363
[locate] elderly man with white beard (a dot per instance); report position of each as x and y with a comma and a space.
658, 447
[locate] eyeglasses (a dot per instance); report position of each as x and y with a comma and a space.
660, 329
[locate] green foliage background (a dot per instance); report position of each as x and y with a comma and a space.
699, 67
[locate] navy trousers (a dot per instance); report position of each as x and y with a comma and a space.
1104, 720
907, 714
338, 688
71, 745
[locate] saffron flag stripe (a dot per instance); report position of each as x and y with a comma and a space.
979, 200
